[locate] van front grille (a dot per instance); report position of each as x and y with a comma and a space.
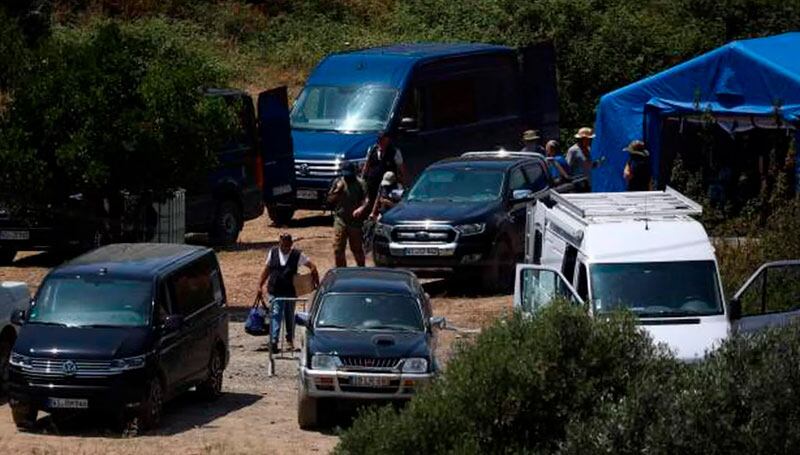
316, 168
369, 363
58, 368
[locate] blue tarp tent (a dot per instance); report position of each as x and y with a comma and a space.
751, 79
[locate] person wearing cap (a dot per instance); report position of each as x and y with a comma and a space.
386, 197
382, 157
556, 163
637, 173
279, 271
530, 141
580, 154
351, 203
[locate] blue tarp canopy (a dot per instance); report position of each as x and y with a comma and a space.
753, 78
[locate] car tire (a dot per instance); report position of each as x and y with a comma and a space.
498, 275
7, 255
307, 410
5, 353
280, 215
24, 416
211, 388
149, 415
227, 223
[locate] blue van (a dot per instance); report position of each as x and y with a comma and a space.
437, 100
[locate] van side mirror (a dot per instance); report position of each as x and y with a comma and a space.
301, 318
408, 125
734, 309
18, 317
173, 322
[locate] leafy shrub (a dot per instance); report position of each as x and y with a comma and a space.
516, 388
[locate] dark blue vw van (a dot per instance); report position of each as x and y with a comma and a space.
437, 100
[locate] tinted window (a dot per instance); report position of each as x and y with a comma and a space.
452, 103
457, 185
516, 180
93, 301
652, 289
536, 176
495, 92
369, 312
192, 287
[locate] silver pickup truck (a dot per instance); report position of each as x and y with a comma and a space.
14, 296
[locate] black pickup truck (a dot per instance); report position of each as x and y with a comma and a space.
466, 214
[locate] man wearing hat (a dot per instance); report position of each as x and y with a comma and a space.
386, 198
383, 157
530, 141
637, 173
580, 154
279, 272
351, 204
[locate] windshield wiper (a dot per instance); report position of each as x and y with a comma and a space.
57, 324
399, 328
335, 326
100, 326
668, 313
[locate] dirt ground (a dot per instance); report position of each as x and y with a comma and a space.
257, 413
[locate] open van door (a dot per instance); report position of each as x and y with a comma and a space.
539, 89
277, 153
770, 298
535, 286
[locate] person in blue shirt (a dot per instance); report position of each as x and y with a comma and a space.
556, 163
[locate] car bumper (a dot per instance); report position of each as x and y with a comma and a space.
122, 391
448, 256
339, 384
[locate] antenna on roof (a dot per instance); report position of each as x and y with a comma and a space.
646, 226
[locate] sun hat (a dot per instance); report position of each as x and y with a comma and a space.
530, 135
585, 133
636, 148
389, 179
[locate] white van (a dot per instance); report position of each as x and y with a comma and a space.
643, 251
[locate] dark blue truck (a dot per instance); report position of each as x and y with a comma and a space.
436, 100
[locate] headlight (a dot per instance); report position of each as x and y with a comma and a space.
415, 365
383, 230
19, 360
129, 363
471, 229
324, 362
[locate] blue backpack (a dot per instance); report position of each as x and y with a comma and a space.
256, 323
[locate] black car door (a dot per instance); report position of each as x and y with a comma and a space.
174, 345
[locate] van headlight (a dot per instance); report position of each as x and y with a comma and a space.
383, 230
325, 362
128, 363
471, 229
415, 365
19, 360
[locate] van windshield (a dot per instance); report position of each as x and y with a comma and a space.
93, 301
457, 185
369, 312
657, 289
343, 109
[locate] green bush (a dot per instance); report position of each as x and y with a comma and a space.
111, 107
517, 388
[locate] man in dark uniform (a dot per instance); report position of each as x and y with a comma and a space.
348, 197
383, 157
637, 172
279, 272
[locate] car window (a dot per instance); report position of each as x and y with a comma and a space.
516, 180
495, 92
357, 311
537, 177
451, 103
192, 287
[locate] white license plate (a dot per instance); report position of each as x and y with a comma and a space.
15, 235
68, 403
369, 381
306, 194
421, 252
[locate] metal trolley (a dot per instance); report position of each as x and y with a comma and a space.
268, 308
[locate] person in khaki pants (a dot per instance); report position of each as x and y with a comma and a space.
349, 197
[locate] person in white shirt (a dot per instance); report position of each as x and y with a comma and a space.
279, 271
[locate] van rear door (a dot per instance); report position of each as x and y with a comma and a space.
539, 90
770, 298
277, 152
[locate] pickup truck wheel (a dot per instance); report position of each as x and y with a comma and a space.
499, 273
5, 352
24, 416
211, 388
227, 223
307, 408
7, 255
280, 215
149, 415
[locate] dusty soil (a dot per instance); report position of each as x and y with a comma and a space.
257, 413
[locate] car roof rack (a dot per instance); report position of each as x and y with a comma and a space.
503, 153
647, 204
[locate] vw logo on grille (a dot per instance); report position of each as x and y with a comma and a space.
69, 368
303, 169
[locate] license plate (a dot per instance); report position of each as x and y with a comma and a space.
68, 403
421, 252
15, 235
306, 194
369, 381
